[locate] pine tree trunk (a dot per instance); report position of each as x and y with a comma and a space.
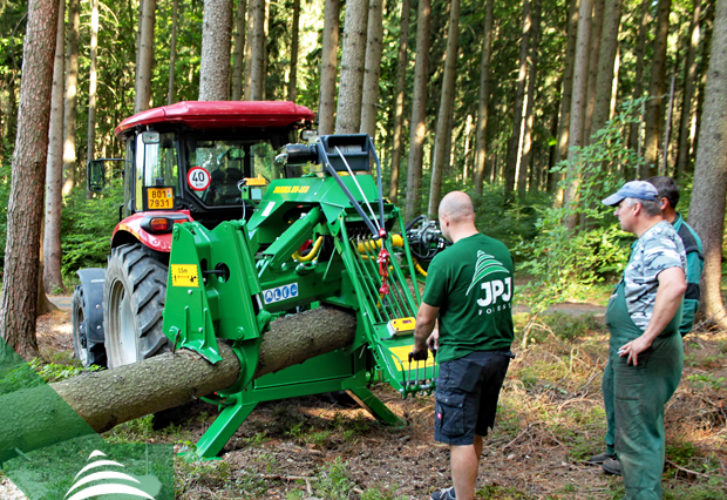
348, 112
645, 21
597, 22
418, 111
92, 83
690, 75
173, 53
293, 81
528, 116
19, 299
606, 58
707, 207
372, 69
256, 89
399, 103
214, 71
483, 101
71, 97
329, 63
443, 134
653, 122
52, 278
145, 55
107, 398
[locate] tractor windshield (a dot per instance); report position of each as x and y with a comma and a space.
216, 168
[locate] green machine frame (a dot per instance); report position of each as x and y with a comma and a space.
227, 284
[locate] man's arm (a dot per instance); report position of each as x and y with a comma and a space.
672, 285
426, 319
695, 263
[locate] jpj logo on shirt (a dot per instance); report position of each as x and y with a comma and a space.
497, 292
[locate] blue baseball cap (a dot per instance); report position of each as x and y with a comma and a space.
641, 190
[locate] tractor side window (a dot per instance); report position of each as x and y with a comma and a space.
157, 171
264, 162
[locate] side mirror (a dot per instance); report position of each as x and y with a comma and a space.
96, 175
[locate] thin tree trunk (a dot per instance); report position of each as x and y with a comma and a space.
418, 111
145, 56
513, 145
655, 106
483, 101
372, 69
606, 58
19, 299
214, 71
293, 80
707, 207
645, 21
578, 106
256, 89
596, 28
92, 83
52, 277
71, 97
443, 134
529, 118
690, 75
329, 60
173, 52
399, 103
348, 112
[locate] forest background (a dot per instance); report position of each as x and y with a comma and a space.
538, 108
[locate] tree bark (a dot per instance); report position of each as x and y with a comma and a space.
644, 23
595, 42
418, 111
690, 76
348, 112
173, 52
483, 101
294, 42
653, 122
707, 207
329, 64
71, 96
256, 71
52, 278
399, 103
214, 71
92, 83
145, 55
107, 398
238, 53
606, 58
443, 134
528, 115
372, 69
19, 299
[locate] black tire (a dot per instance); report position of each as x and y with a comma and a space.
86, 352
134, 293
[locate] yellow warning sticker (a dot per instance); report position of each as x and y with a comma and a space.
185, 275
291, 189
401, 353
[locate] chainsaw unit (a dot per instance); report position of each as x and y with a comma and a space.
228, 228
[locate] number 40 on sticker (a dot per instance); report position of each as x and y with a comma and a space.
198, 178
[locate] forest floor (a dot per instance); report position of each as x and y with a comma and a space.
550, 421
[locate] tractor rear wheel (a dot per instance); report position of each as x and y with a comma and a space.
134, 293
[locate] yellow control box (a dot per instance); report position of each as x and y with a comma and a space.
401, 326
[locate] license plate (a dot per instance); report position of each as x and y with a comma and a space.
160, 198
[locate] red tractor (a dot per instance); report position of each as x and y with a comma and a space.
202, 161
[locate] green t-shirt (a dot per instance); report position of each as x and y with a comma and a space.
471, 283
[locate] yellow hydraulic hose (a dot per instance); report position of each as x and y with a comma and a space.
310, 255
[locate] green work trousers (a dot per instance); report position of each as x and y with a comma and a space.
635, 396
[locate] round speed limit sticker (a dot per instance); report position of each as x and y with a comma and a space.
198, 178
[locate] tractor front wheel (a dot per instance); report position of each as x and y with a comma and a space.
134, 294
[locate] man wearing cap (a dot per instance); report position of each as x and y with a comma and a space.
645, 348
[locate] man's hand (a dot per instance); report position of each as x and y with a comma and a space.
433, 341
418, 353
633, 349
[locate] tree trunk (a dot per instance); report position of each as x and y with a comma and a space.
372, 70
173, 52
92, 81
707, 207
606, 58
145, 56
483, 101
595, 42
329, 64
71, 96
348, 112
214, 71
399, 104
19, 300
443, 134
52, 277
690, 75
107, 398
653, 122
513, 145
645, 21
529, 116
294, 42
256, 88
418, 111
578, 105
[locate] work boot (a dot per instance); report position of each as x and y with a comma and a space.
443, 494
600, 458
612, 466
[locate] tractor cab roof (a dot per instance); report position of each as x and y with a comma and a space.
220, 114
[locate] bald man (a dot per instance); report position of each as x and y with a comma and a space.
469, 290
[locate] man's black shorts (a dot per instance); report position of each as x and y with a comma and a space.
466, 396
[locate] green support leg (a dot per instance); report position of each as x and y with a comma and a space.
222, 429
374, 405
